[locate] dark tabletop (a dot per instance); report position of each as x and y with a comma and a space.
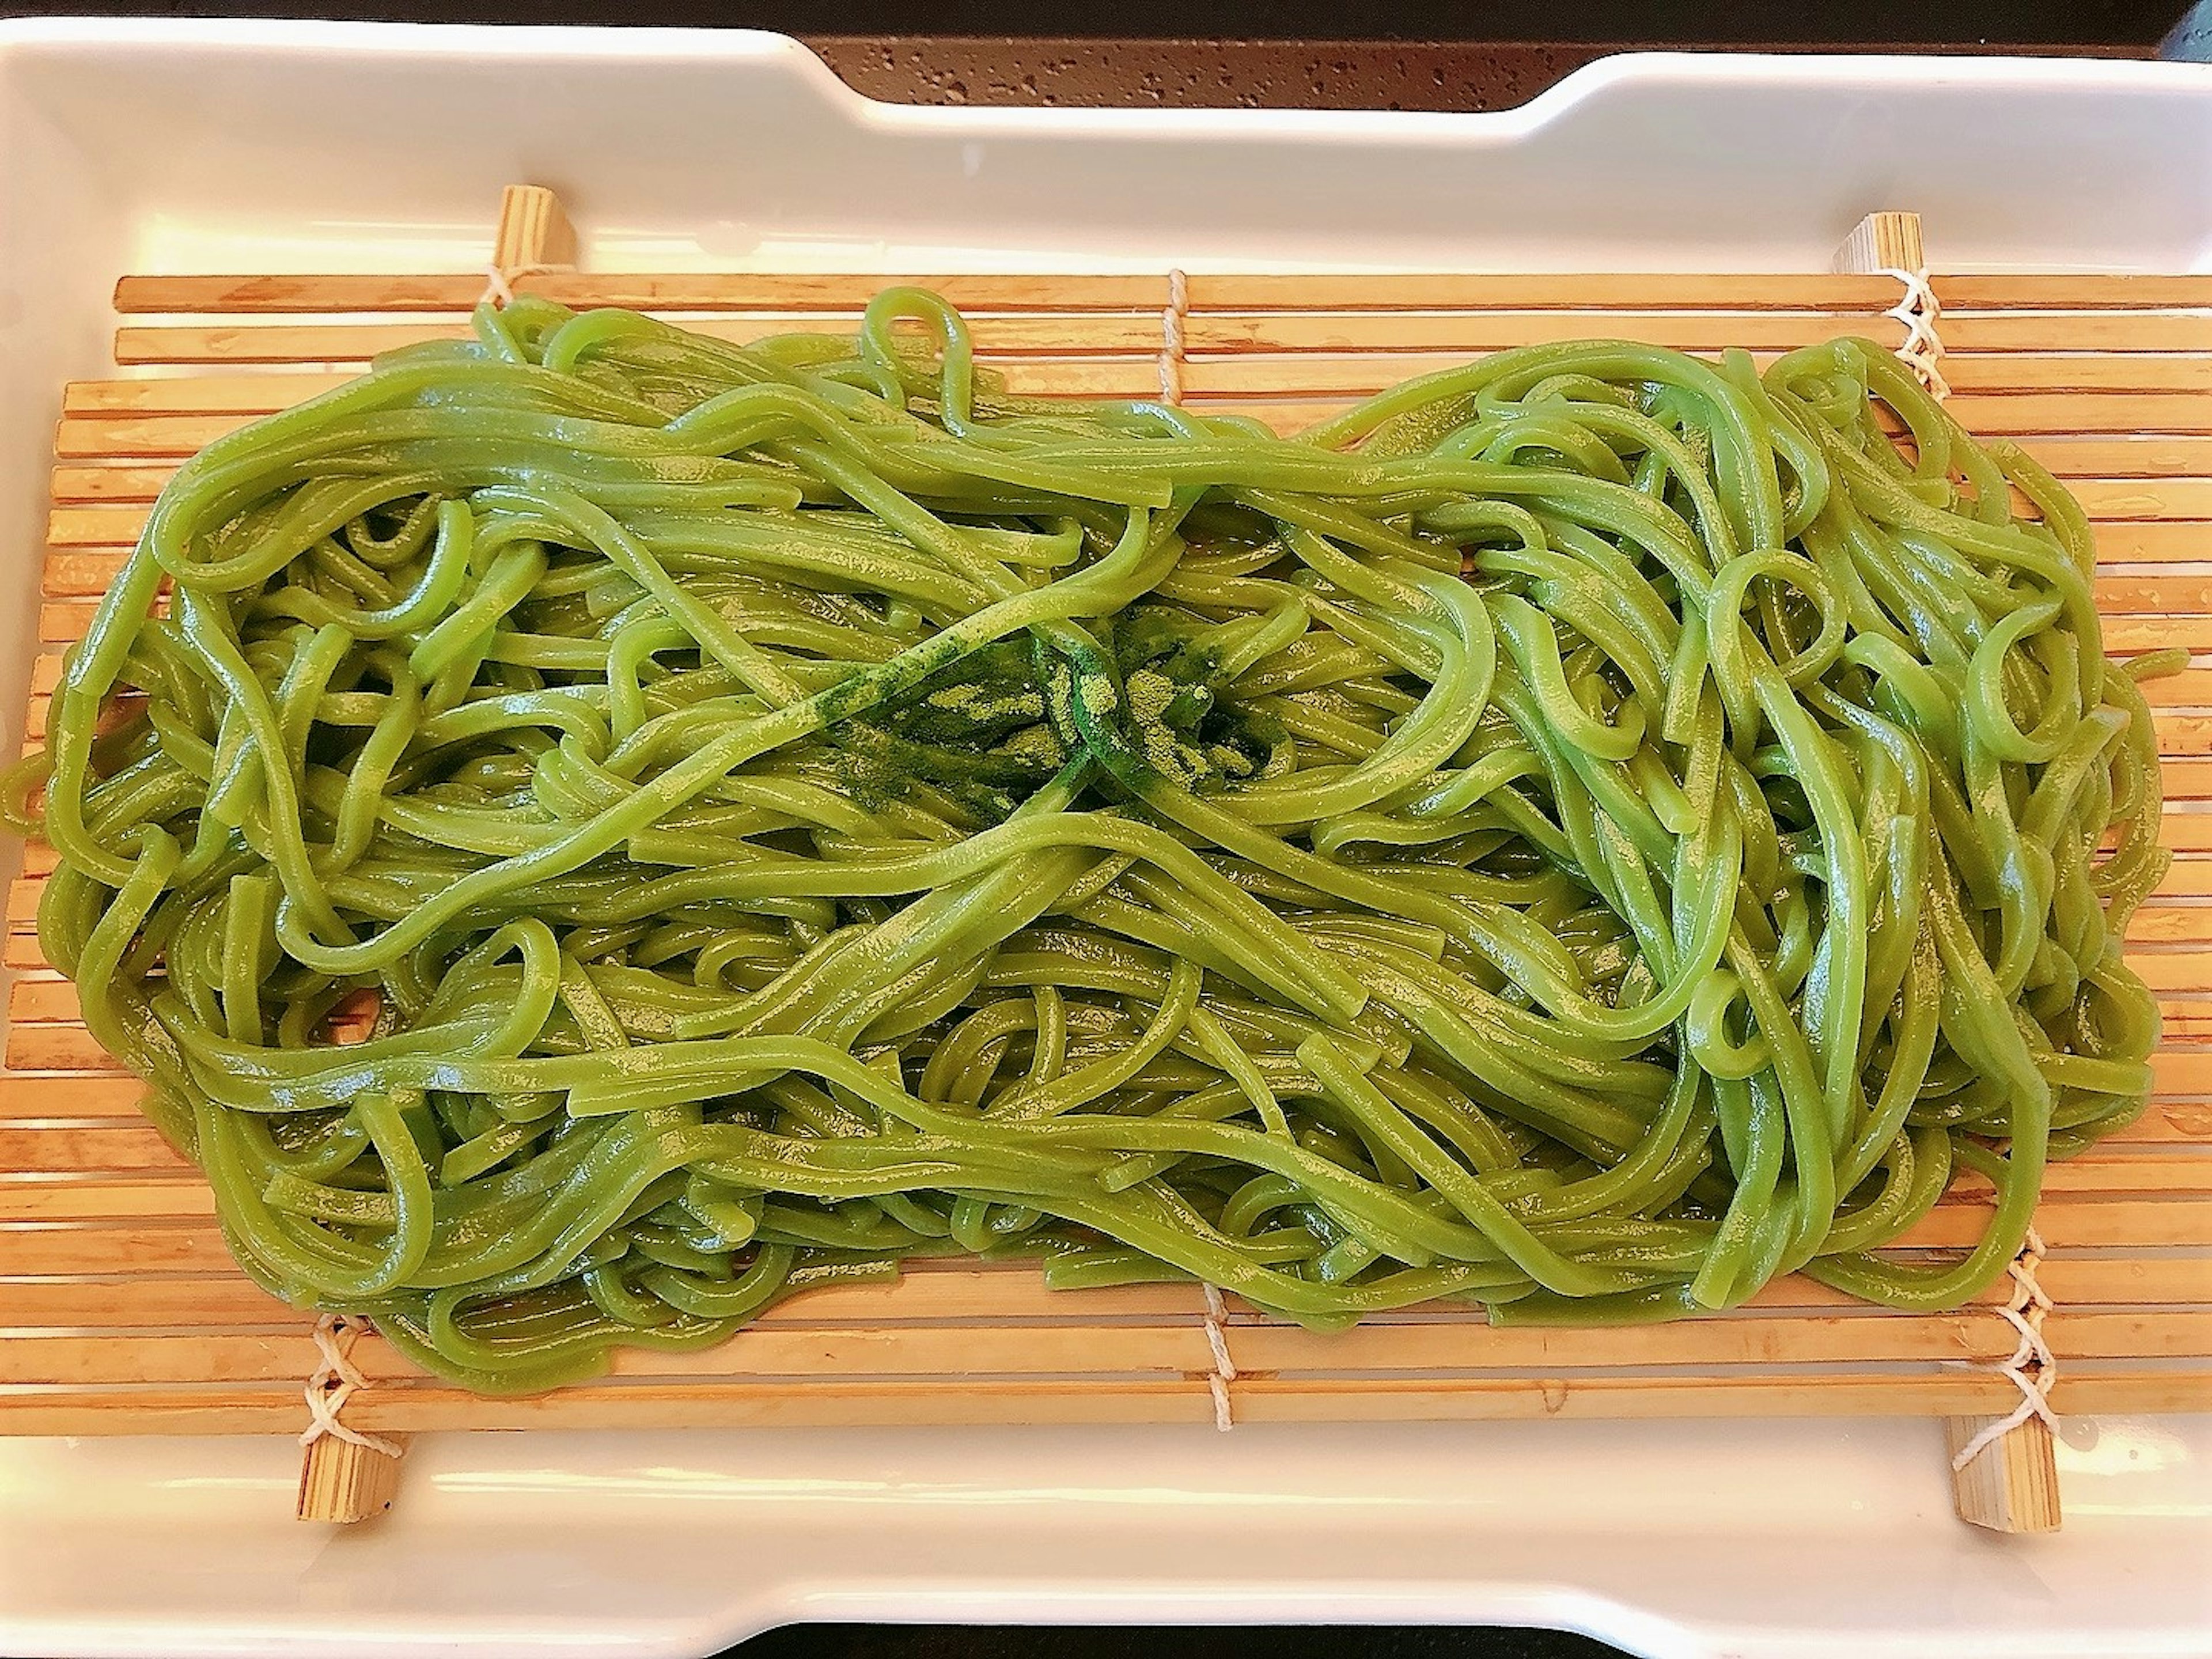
1141, 1641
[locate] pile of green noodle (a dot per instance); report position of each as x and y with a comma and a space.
1583, 833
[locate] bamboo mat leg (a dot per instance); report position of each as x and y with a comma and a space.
1891, 244
343, 1482
533, 234
345, 1476
1883, 241
2004, 1470
2013, 1486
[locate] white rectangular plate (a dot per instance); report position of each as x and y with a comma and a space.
277, 146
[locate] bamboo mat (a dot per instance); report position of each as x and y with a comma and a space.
120, 1311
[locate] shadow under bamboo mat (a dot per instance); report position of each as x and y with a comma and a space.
120, 1311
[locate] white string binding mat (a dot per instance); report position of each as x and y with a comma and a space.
336, 1381
1919, 310
2032, 1368
1171, 321
499, 285
1224, 1368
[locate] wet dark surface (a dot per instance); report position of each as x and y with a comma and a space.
1202, 74
1138, 1642
1251, 74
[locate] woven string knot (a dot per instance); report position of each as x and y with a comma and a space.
336, 1381
499, 285
1224, 1368
1919, 310
1171, 322
2034, 1369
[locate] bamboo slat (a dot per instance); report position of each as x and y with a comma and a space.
2163, 392
2186, 829
1012, 1296
102, 1199
2142, 456
1864, 295
65, 1096
707, 291
1035, 334
121, 1302
768, 1352
1868, 294
1469, 332
1229, 333
1996, 377
200, 394
689, 1403
955, 1350
122, 1144
2190, 688
139, 1247
168, 436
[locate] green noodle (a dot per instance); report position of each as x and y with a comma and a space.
1586, 833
